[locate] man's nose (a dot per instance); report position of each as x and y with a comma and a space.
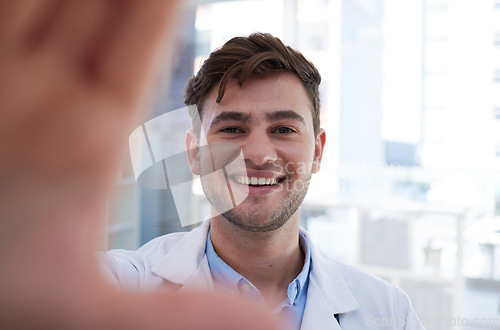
259, 148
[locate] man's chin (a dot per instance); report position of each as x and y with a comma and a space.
253, 222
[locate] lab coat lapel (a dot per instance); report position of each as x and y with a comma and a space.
185, 265
327, 294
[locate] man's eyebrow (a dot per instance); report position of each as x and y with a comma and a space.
231, 115
284, 114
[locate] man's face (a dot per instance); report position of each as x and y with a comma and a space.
270, 119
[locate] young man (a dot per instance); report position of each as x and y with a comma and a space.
73, 78
263, 97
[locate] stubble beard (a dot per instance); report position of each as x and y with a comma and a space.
251, 220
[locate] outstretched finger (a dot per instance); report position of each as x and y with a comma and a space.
191, 310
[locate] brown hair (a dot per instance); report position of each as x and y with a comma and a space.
259, 53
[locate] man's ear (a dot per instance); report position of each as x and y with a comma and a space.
319, 146
193, 151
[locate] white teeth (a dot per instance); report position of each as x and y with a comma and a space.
255, 181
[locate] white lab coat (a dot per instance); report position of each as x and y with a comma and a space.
178, 261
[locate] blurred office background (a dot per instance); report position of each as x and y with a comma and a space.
410, 185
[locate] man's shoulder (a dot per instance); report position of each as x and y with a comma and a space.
127, 267
161, 243
355, 276
373, 296
134, 268
362, 284
155, 249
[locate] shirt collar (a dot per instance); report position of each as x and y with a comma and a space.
227, 279
298, 285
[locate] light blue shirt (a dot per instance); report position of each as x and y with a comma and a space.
228, 280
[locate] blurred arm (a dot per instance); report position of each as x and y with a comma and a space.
73, 76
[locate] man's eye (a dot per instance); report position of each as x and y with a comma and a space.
284, 130
231, 130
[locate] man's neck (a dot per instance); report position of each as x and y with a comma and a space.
270, 260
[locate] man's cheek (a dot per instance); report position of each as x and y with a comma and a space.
304, 167
227, 158
160, 162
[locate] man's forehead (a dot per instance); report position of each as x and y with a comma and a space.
260, 96
252, 83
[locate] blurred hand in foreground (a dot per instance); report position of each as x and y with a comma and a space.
73, 76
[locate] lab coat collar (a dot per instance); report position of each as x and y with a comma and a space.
328, 293
186, 265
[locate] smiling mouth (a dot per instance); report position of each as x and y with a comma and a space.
257, 181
